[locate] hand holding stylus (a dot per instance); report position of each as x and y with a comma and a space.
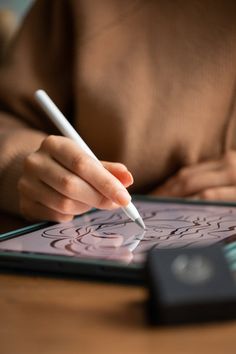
60, 181
64, 178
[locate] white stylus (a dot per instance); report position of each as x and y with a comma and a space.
67, 130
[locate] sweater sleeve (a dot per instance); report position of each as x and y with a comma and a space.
39, 57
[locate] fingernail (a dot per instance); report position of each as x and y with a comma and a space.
131, 177
122, 197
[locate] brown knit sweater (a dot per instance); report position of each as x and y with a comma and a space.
147, 83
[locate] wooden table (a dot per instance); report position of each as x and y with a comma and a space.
50, 315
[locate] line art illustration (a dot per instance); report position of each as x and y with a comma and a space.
109, 235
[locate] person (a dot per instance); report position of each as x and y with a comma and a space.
150, 87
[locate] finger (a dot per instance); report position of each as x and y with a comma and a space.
213, 165
64, 181
41, 193
220, 194
227, 161
34, 211
174, 186
120, 171
186, 183
70, 155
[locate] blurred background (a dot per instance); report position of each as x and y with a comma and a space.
18, 7
11, 15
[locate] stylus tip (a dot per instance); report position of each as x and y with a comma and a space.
139, 222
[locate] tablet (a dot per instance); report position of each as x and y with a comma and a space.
107, 244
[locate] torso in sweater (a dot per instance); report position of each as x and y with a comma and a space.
154, 83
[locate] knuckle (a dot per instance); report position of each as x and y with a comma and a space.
183, 175
67, 184
187, 186
184, 181
79, 163
48, 143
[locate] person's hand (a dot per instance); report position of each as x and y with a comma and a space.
60, 180
212, 180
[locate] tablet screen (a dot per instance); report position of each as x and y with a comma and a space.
110, 235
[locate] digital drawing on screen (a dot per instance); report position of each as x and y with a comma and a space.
110, 235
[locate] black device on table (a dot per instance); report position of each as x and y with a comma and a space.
189, 285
